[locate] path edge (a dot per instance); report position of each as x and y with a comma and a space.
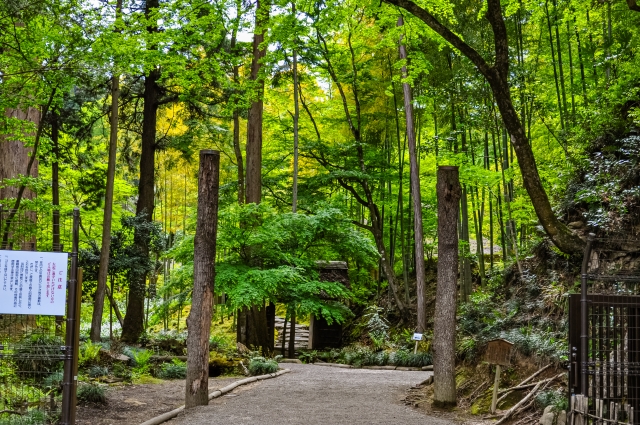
217, 393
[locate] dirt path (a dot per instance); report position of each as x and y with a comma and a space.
134, 404
315, 395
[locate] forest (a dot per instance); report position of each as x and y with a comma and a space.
333, 121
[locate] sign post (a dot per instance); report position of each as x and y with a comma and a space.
498, 353
417, 337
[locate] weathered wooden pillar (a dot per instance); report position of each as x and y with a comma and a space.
204, 254
444, 327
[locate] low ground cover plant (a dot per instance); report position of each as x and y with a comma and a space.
262, 366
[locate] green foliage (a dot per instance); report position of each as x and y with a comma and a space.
174, 370
17, 394
53, 381
91, 393
359, 355
121, 371
308, 356
273, 256
32, 417
126, 262
409, 359
38, 353
89, 353
170, 342
377, 326
220, 342
98, 371
262, 366
605, 188
555, 398
538, 343
141, 360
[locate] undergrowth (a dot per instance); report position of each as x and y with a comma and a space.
262, 366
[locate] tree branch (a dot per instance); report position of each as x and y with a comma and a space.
363, 226
500, 38
325, 53
445, 33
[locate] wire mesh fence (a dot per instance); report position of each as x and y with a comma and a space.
32, 354
605, 334
37, 351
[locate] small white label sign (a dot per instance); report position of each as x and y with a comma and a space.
417, 337
33, 282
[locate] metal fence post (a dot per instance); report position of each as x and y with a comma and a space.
584, 316
70, 380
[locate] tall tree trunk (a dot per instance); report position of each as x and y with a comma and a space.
204, 254
254, 323
497, 77
296, 117
15, 156
594, 62
236, 112
55, 179
582, 77
571, 87
554, 62
465, 263
254, 120
103, 269
560, 64
400, 204
134, 318
415, 193
444, 326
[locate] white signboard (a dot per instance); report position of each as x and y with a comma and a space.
33, 282
417, 337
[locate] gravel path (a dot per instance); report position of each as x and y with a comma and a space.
314, 395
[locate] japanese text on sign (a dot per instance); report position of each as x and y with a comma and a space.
33, 282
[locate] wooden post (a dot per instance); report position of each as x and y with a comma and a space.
444, 326
204, 254
496, 382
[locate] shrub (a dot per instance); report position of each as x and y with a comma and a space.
89, 353
219, 342
262, 366
98, 371
355, 355
54, 380
174, 370
533, 342
141, 360
33, 417
122, 372
169, 341
38, 353
91, 393
308, 356
557, 399
408, 359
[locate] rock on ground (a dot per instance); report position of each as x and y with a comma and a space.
314, 395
